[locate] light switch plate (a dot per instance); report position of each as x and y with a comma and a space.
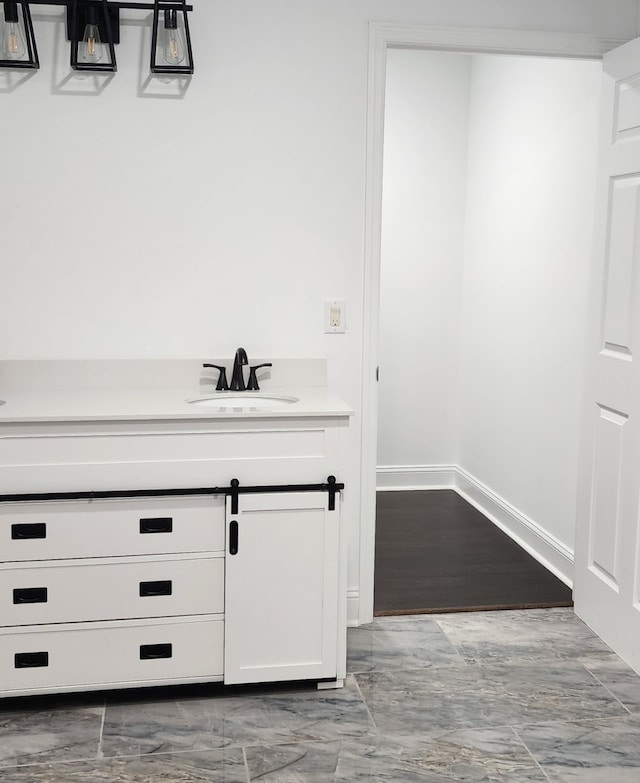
335, 316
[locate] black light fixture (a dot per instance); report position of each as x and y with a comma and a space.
93, 28
170, 40
17, 41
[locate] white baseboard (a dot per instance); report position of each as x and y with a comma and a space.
532, 537
544, 546
398, 477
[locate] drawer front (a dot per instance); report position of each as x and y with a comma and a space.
84, 590
103, 528
110, 655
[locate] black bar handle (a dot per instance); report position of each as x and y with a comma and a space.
233, 537
152, 652
29, 530
160, 587
30, 595
156, 525
31, 660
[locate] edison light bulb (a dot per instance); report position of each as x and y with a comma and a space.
13, 46
173, 48
92, 47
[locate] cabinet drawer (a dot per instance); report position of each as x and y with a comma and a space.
110, 655
65, 591
102, 528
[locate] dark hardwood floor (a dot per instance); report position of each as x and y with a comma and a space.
437, 553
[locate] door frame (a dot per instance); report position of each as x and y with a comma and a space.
383, 36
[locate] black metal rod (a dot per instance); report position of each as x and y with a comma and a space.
31, 37
110, 40
115, 3
147, 493
106, 494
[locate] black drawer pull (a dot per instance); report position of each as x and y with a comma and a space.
156, 525
30, 530
233, 537
163, 587
30, 595
150, 652
31, 660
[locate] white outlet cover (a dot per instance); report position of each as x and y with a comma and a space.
335, 316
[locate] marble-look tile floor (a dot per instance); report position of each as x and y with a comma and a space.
514, 697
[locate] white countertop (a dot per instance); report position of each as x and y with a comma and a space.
148, 404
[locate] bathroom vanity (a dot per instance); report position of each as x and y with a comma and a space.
146, 540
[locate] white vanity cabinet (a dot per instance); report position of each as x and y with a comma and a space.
117, 561
282, 587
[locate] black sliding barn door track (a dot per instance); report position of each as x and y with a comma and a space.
332, 487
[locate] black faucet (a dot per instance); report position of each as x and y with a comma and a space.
237, 378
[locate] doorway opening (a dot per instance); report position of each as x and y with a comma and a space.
487, 202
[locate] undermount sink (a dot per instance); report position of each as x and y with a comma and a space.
248, 401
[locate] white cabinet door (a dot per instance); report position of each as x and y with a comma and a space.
282, 588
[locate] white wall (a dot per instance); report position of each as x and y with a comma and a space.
532, 159
142, 226
424, 200
503, 321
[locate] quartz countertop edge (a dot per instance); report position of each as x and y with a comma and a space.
150, 404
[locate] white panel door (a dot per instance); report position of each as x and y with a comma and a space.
282, 588
607, 587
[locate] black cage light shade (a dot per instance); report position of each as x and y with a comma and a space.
170, 39
17, 40
93, 28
